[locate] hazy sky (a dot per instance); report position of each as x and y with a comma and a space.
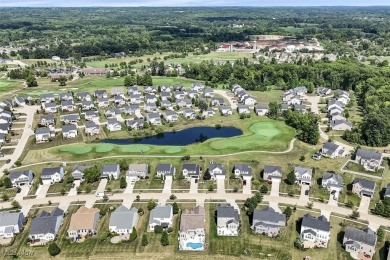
75, 3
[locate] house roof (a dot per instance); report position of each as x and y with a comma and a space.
112, 121
50, 105
303, 170
122, 217
72, 117
110, 168
330, 147
272, 169
160, 212
68, 128
67, 103
9, 218
227, 211
91, 125
153, 115
192, 219
243, 168
365, 236
261, 106
369, 155
269, 215
50, 171
334, 176
387, 192
42, 130
191, 167
167, 168
83, 218
15, 175
81, 168
45, 222
365, 183
214, 166
320, 223
47, 117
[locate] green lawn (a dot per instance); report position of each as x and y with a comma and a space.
265, 97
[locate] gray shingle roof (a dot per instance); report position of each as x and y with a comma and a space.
165, 168
320, 223
271, 169
268, 214
50, 171
303, 170
45, 222
365, 236
243, 168
227, 211
334, 176
160, 212
368, 155
110, 168
42, 130
9, 218
123, 217
68, 128
214, 166
15, 175
191, 167
365, 183
387, 192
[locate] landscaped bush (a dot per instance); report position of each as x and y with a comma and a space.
133, 235
158, 229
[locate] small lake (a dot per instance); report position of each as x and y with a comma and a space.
180, 138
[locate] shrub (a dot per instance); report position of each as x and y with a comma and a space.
15, 204
175, 208
170, 230
54, 249
123, 183
151, 205
173, 197
145, 241
287, 211
18, 163
210, 188
164, 239
264, 189
5, 197
7, 183
133, 235
207, 175
158, 229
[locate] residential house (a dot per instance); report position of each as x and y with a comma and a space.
44, 227
110, 171
315, 232
43, 134
295, 100
284, 107
370, 160
91, 115
135, 99
333, 150
150, 89
78, 171
243, 109
208, 92
91, 128
303, 175
166, 88
83, 222
340, 125
193, 94
70, 119
363, 187
11, 223
179, 88
272, 172
209, 112
49, 107
133, 90
4, 128
191, 171
69, 131
217, 101
226, 110
161, 216
244, 171
332, 103
117, 92
192, 232
103, 102
112, 113
95, 71
321, 91
165, 170
217, 171
332, 181
261, 110
123, 220
300, 108
300, 90
183, 103
66, 97
197, 86
83, 96
189, 113
47, 120
131, 110
267, 221
228, 220
165, 95
87, 105
19, 101
387, 191
67, 106
360, 243
113, 125
337, 116
150, 99
137, 171
21, 178
52, 175
171, 116
153, 118
249, 100
151, 107
47, 98
135, 124
100, 94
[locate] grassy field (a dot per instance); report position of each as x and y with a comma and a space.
265, 97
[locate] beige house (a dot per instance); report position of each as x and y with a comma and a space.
83, 222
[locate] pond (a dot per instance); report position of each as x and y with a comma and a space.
180, 138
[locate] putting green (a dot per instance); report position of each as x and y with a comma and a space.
134, 148
104, 148
173, 149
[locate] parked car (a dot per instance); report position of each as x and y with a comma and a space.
8, 161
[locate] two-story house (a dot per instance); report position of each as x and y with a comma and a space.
21, 178
191, 171
217, 171
303, 175
83, 223
360, 244
332, 181
44, 227
333, 150
11, 223
228, 220
370, 160
165, 170
267, 221
160, 216
123, 220
315, 232
137, 171
110, 171
52, 175
271, 172
192, 232
363, 187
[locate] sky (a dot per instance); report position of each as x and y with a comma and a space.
83, 3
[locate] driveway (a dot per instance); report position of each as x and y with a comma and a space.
193, 186
167, 185
333, 199
73, 191
220, 186
23, 192
247, 189
102, 185
42, 191
224, 94
275, 206
364, 205
304, 197
275, 187
129, 187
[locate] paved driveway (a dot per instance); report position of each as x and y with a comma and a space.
364, 205
129, 187
224, 94
333, 199
220, 186
193, 186
167, 185
73, 191
23, 192
304, 197
247, 189
42, 191
275, 187
102, 185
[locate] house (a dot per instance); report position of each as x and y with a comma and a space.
43, 134
150, 89
165, 104
208, 92
78, 171
315, 232
44, 227
110, 171
100, 93
225, 110
87, 105
193, 94
103, 102
267, 221
261, 110
95, 71
67, 106
295, 100
284, 107
117, 92
321, 91
49, 107
91, 115
123, 220
135, 99
11, 223
217, 101
131, 110
300, 108
113, 125
179, 88
135, 124
340, 125
333, 150
197, 86
272, 172
69, 131
300, 90
70, 119
133, 90
387, 192
153, 118
170, 116
249, 101
191, 171
83, 222
166, 88
112, 113
228, 220
83, 96
243, 109
165, 95
150, 99
371, 161
165, 170
161, 216
47, 120
243, 170
192, 231
209, 112
303, 175
332, 181
66, 97
19, 101
337, 116
151, 107
360, 243
4, 128
363, 187
91, 128
137, 171
47, 98
217, 171
21, 178
185, 102
189, 113
52, 175
332, 103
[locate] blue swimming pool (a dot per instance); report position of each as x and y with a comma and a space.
194, 245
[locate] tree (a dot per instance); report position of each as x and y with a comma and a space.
62, 81
31, 81
133, 235
291, 179
158, 229
273, 110
302, 158
350, 204
175, 208
172, 197
123, 165
151, 205
7, 183
145, 241
15, 204
164, 239
355, 214
91, 174
287, 211
210, 188
5, 197
264, 189
130, 81
122, 183
207, 175
309, 205
54, 249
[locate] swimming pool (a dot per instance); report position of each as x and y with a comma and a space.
194, 245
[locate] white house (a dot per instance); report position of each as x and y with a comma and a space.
370, 160
110, 171
303, 175
45, 226
52, 175
170, 116
137, 171
165, 170
69, 131
123, 220
49, 107
226, 110
153, 118
217, 171
11, 223
228, 220
91, 128
191, 170
160, 216
261, 110
113, 125
315, 232
192, 233
333, 150
43, 134
21, 178
332, 181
